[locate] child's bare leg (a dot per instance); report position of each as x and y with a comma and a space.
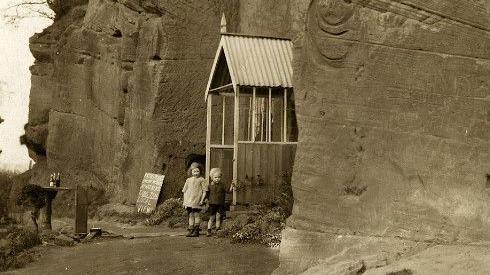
210, 222
218, 220
197, 219
191, 220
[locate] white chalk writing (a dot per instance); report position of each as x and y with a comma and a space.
149, 192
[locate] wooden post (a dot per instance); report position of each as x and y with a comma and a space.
236, 120
269, 121
208, 134
81, 210
253, 113
285, 122
50, 195
249, 129
223, 121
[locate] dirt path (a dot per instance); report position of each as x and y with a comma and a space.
159, 255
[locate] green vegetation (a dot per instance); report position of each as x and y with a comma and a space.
262, 225
170, 211
6, 181
15, 243
119, 213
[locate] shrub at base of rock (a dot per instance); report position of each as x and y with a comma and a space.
15, 241
262, 226
5, 187
171, 211
63, 240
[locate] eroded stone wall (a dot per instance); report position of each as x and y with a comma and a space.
117, 91
393, 104
118, 88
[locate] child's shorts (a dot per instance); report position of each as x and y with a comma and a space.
216, 208
192, 210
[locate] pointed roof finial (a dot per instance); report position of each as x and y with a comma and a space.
223, 24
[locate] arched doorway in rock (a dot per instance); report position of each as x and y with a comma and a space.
201, 159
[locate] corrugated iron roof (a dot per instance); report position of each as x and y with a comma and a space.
256, 61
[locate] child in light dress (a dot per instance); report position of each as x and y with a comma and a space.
194, 190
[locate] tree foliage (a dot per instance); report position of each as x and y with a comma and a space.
22, 9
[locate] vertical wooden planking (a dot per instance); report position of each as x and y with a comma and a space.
242, 162
256, 168
264, 173
286, 153
284, 158
265, 165
249, 169
272, 167
228, 164
249, 159
278, 172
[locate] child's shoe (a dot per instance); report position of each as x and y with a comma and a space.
190, 232
195, 232
209, 233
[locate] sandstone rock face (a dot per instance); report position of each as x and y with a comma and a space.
117, 90
118, 87
393, 105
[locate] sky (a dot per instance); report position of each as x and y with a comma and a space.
15, 83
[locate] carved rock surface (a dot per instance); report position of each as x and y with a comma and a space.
393, 104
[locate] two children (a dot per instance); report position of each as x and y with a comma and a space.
196, 190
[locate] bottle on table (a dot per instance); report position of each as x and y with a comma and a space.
58, 180
51, 180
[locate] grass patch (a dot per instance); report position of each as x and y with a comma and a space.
170, 211
262, 225
6, 183
15, 243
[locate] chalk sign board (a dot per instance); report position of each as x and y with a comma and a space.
149, 192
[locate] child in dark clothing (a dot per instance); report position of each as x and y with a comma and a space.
216, 198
